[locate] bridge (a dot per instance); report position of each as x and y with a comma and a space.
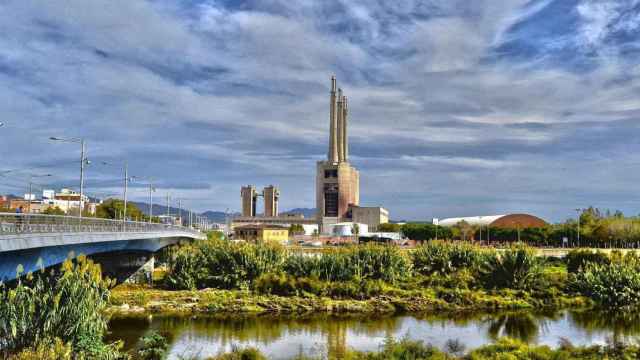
33, 241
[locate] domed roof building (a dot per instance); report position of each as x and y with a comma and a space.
508, 221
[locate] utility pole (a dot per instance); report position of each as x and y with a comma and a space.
180, 211
168, 200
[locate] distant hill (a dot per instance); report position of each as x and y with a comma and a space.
307, 212
212, 215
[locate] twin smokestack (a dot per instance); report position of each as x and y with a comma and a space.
338, 139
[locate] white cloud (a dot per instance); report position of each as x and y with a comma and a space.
226, 96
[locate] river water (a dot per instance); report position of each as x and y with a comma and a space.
286, 337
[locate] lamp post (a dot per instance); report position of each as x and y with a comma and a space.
83, 161
1, 124
31, 189
151, 190
578, 212
126, 179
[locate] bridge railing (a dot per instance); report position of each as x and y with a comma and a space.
12, 224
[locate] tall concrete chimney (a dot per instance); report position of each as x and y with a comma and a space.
333, 127
340, 127
345, 134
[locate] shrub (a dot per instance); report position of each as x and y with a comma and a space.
154, 347
68, 305
221, 264
378, 262
615, 285
515, 268
50, 349
286, 285
578, 258
240, 354
437, 257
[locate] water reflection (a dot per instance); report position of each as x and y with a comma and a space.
285, 337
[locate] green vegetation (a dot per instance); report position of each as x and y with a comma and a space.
220, 264
515, 268
446, 258
389, 227
227, 265
154, 347
504, 348
215, 235
60, 311
296, 229
437, 275
114, 208
53, 210
577, 259
363, 278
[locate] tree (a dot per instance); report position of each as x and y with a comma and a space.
53, 210
465, 229
355, 230
296, 229
113, 209
389, 227
215, 235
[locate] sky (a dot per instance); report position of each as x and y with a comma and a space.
457, 107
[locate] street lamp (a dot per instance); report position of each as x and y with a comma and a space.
1, 124
31, 189
578, 212
127, 179
83, 161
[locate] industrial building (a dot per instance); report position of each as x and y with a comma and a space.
337, 185
249, 195
337, 181
373, 216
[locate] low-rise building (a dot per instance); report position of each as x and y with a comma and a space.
262, 233
373, 216
68, 201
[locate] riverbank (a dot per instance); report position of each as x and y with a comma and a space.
129, 299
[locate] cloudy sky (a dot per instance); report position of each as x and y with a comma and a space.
457, 107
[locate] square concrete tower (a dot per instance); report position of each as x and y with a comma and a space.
249, 200
271, 197
337, 182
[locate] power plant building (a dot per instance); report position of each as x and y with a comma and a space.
337, 182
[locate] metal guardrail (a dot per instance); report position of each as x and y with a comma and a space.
14, 224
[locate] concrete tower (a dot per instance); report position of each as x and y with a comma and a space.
249, 200
337, 182
271, 197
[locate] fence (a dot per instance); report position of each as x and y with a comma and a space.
13, 224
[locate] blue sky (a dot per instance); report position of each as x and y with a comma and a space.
457, 107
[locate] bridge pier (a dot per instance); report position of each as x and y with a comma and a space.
129, 266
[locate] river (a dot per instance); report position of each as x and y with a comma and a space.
285, 337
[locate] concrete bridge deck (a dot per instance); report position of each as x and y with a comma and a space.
33, 241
